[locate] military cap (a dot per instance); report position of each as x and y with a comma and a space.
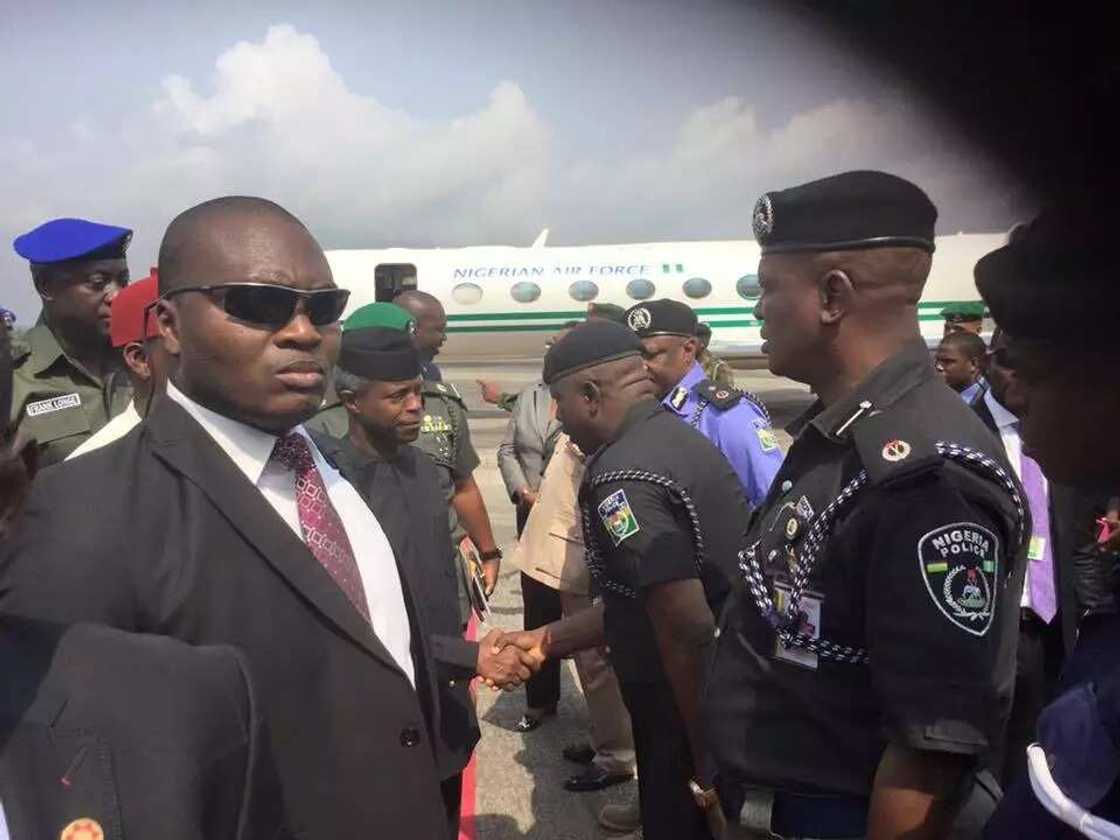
386, 315
661, 317
591, 343
963, 311
1054, 280
377, 344
849, 211
607, 311
60, 240
130, 310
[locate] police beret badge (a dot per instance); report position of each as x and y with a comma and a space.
959, 564
639, 319
762, 220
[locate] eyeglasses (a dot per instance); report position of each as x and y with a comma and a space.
273, 305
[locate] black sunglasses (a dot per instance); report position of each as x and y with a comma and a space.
270, 304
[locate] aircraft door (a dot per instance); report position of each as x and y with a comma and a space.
390, 279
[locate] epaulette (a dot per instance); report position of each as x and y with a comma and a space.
445, 389
890, 449
724, 398
20, 350
720, 396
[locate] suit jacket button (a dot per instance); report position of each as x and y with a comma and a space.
410, 736
451, 683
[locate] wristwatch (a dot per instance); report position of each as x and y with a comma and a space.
492, 554
706, 799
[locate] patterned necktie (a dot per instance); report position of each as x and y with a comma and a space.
1044, 600
319, 521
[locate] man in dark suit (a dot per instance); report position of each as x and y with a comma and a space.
378, 382
1065, 579
217, 520
105, 734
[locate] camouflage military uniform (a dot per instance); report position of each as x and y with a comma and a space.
57, 401
446, 438
716, 369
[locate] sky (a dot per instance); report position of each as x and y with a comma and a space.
427, 124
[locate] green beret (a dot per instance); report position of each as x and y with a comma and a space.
591, 343
384, 315
963, 311
377, 344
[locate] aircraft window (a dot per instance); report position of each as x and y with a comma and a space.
467, 293
640, 289
525, 292
583, 290
697, 287
748, 287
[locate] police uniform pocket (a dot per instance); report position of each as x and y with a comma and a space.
55, 418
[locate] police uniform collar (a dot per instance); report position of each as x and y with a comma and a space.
688, 382
45, 349
898, 375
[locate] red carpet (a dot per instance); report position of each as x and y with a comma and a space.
466, 816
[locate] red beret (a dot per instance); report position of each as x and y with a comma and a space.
127, 312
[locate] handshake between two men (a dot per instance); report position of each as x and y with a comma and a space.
508, 658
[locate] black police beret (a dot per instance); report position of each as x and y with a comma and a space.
1054, 280
379, 353
591, 343
661, 317
852, 210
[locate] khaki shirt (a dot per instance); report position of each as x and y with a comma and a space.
57, 401
550, 549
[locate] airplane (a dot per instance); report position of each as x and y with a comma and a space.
502, 302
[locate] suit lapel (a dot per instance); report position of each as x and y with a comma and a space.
50, 778
185, 446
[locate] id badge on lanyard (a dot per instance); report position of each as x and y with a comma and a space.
810, 625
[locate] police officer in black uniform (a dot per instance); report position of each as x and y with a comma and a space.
865, 668
663, 517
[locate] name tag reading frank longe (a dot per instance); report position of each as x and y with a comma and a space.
49, 406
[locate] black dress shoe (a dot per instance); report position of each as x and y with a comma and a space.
595, 778
579, 753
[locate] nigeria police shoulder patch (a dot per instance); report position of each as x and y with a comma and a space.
960, 566
618, 517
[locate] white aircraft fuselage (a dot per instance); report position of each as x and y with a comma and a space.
503, 302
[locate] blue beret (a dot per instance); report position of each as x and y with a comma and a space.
60, 240
852, 210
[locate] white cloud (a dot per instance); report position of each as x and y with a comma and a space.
278, 120
705, 182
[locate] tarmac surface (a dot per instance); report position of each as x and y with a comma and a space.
519, 777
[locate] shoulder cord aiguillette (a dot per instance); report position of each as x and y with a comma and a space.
785, 624
591, 546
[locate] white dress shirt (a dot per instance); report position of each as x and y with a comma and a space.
3, 825
250, 449
115, 429
1008, 425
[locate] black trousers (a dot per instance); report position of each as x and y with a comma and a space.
452, 791
542, 606
1038, 663
664, 764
